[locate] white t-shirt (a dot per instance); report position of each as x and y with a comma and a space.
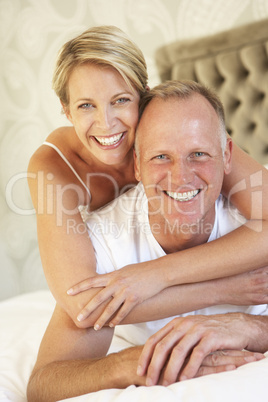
121, 235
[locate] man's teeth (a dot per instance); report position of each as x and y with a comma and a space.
109, 140
187, 196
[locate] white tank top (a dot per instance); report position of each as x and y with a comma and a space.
49, 144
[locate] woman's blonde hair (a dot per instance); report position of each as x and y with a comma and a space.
104, 46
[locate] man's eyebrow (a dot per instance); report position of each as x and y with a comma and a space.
152, 152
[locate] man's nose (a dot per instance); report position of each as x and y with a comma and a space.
182, 172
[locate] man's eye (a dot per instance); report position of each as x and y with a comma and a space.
198, 154
161, 157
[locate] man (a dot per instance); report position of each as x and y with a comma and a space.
181, 157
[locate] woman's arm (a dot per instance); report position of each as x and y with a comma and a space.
246, 187
67, 254
242, 250
65, 248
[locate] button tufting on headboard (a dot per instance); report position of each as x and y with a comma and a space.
235, 64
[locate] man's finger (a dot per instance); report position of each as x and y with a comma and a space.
149, 347
205, 370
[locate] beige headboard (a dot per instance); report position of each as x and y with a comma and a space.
235, 64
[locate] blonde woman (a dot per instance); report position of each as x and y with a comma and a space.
99, 78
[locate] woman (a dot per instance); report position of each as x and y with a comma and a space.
99, 79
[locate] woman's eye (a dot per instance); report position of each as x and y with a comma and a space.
85, 106
122, 101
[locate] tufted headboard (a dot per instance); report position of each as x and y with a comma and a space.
235, 64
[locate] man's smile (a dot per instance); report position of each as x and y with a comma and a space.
182, 197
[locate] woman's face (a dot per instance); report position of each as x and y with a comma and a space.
104, 112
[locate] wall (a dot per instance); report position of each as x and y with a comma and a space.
31, 32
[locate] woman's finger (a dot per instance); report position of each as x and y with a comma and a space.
92, 282
108, 312
122, 313
101, 297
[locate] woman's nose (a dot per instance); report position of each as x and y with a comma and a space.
105, 118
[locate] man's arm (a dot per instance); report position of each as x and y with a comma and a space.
71, 362
195, 337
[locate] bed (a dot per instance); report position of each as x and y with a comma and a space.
235, 63
19, 342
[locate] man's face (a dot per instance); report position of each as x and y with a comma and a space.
181, 163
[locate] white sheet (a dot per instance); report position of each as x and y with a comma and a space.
23, 320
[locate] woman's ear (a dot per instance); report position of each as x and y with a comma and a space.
66, 111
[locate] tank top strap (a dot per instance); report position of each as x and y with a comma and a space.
49, 144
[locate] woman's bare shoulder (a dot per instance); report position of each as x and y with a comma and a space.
60, 132
44, 156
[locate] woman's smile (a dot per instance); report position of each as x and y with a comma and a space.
111, 141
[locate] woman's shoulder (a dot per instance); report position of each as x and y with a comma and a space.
56, 165
61, 133
48, 155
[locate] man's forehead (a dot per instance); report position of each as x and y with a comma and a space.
164, 119
175, 110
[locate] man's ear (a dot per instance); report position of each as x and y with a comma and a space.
228, 156
66, 112
136, 166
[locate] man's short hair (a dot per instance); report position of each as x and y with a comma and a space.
184, 90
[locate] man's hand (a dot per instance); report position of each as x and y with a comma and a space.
185, 344
127, 364
226, 360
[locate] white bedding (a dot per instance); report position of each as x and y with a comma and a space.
23, 320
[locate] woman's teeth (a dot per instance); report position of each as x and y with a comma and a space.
187, 196
109, 140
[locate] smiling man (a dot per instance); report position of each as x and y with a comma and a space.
181, 162
181, 156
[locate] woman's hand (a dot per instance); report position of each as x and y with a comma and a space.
250, 288
127, 287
